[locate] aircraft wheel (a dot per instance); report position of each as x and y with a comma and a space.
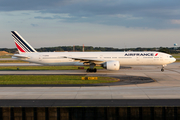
91, 70
88, 70
162, 70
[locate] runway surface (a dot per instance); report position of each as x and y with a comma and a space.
19, 64
6, 59
166, 86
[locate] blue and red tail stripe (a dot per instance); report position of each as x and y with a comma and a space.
21, 44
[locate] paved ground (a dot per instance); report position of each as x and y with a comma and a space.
19, 64
167, 86
91, 103
6, 59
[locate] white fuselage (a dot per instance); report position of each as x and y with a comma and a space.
124, 58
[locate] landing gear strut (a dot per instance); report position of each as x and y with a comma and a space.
162, 69
92, 69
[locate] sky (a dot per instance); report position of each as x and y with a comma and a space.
98, 23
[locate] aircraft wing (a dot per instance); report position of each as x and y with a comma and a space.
90, 60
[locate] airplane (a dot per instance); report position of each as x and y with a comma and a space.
107, 60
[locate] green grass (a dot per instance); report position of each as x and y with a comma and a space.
5, 56
12, 61
50, 79
176, 55
43, 67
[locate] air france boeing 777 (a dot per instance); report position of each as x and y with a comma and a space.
108, 60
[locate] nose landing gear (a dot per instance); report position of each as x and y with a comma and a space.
162, 69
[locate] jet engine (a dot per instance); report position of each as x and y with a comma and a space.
111, 65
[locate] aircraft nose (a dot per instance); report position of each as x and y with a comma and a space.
174, 59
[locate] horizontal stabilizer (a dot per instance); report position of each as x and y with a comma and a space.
19, 56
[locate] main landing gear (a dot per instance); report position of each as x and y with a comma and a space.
92, 69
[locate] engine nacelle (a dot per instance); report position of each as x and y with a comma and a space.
111, 65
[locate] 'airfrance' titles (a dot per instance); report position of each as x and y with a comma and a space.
139, 54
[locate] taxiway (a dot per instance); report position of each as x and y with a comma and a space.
166, 86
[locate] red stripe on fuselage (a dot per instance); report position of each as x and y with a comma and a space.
19, 48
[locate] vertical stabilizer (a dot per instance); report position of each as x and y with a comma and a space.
21, 44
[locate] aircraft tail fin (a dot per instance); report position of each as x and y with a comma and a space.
21, 44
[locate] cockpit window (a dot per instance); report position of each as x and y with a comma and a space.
171, 56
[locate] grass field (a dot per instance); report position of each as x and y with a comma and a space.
12, 61
43, 67
4, 54
50, 79
176, 55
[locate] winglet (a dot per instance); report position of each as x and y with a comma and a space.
21, 44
